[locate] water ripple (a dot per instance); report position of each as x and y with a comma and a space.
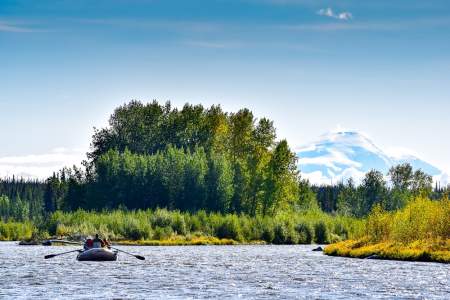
226, 272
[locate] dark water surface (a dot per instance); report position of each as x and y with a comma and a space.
268, 272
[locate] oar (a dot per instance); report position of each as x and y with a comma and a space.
137, 256
53, 255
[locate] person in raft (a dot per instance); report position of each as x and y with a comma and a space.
106, 243
98, 242
88, 244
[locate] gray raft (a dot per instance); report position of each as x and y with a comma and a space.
97, 254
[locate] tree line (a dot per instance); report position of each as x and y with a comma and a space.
402, 184
157, 156
154, 155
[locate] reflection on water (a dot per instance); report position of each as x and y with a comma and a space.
215, 271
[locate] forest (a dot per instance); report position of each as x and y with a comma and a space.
204, 163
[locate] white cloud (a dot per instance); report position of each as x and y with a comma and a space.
345, 16
318, 178
443, 179
12, 27
40, 166
401, 153
328, 12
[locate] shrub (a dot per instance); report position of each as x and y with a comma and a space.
136, 230
268, 232
179, 224
284, 233
162, 233
305, 233
161, 218
340, 230
321, 233
229, 228
13, 231
280, 233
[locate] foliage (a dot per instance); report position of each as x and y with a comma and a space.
305, 232
321, 233
154, 155
162, 224
13, 231
419, 231
404, 184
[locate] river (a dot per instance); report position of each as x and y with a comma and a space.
259, 272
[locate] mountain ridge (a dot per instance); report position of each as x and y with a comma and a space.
338, 155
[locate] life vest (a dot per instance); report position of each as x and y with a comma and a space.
88, 244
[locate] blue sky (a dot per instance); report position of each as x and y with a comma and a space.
381, 67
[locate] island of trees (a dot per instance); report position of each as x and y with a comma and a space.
162, 175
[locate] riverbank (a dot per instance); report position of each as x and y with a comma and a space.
426, 251
164, 227
178, 241
418, 232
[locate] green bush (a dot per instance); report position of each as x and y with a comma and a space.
14, 231
285, 228
284, 233
321, 233
136, 230
229, 228
162, 233
161, 218
305, 232
280, 233
268, 232
340, 230
179, 224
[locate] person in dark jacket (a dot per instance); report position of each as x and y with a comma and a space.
98, 243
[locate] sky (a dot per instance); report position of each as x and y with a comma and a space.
380, 67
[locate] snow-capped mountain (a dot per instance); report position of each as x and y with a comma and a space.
337, 156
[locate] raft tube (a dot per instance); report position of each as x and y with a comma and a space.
97, 254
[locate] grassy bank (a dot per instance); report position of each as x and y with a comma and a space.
163, 227
13, 231
180, 241
418, 232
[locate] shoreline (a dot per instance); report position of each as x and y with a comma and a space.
418, 251
173, 241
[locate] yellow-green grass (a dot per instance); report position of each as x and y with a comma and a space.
432, 251
179, 241
418, 232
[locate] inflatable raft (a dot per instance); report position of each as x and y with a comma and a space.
97, 254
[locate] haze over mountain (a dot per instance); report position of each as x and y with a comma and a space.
339, 155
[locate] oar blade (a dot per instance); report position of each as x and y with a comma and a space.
58, 254
139, 257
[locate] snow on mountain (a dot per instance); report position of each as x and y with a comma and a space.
337, 156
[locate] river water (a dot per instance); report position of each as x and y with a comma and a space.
259, 272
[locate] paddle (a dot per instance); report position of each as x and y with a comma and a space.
53, 255
137, 256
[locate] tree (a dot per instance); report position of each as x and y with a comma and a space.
307, 199
219, 184
349, 202
282, 181
401, 176
422, 183
373, 189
